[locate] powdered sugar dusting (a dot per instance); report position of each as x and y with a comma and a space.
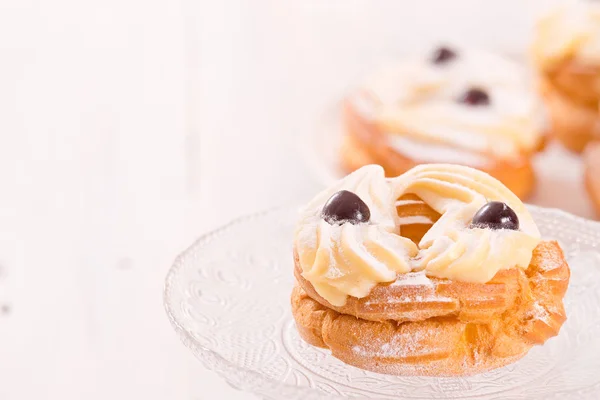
423, 299
401, 346
539, 312
413, 279
550, 264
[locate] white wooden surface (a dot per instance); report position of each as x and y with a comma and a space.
102, 182
93, 205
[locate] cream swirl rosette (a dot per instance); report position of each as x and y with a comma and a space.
571, 30
472, 103
349, 257
453, 247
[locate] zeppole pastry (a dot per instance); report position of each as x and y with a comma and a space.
455, 106
440, 271
566, 51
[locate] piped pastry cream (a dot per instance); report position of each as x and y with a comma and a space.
348, 256
455, 105
439, 272
456, 247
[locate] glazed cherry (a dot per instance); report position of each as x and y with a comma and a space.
475, 97
442, 55
345, 206
496, 215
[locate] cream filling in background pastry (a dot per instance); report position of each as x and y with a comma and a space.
571, 30
443, 153
419, 100
349, 259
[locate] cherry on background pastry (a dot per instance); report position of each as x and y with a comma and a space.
442, 55
454, 105
475, 97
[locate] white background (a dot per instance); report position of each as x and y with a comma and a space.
93, 203
128, 128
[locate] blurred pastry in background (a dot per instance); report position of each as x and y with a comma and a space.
453, 105
591, 158
566, 51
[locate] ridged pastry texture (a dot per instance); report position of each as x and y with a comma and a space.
437, 327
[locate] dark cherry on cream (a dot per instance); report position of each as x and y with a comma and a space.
442, 55
475, 97
345, 206
496, 215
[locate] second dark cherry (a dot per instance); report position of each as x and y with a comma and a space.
475, 97
442, 55
496, 215
345, 206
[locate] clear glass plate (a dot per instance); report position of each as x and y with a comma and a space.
227, 297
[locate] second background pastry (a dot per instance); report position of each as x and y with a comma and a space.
452, 104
